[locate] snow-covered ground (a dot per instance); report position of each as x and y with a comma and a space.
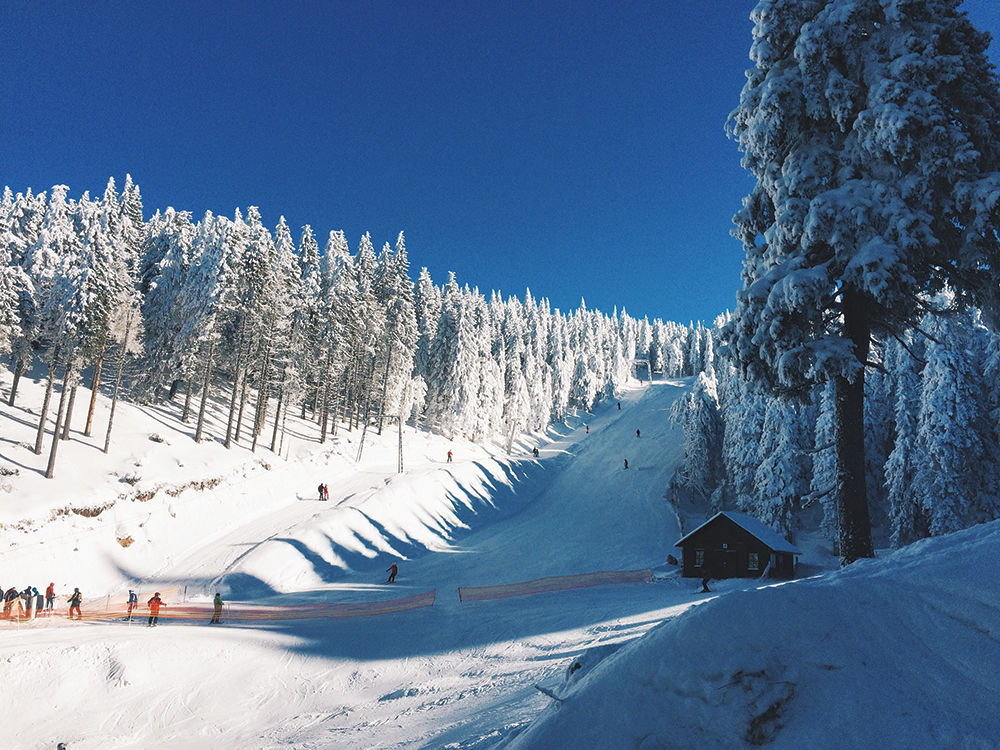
899, 652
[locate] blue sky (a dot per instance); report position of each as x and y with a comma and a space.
576, 148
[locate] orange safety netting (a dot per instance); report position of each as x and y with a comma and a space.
553, 583
108, 609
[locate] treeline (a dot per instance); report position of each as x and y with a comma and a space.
225, 308
932, 436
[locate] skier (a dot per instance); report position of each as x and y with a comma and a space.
321, 492
154, 609
449, 456
392, 570
534, 451
637, 433
133, 602
619, 406
8, 600
29, 602
626, 463
74, 603
706, 576
326, 492
218, 609
50, 596
588, 429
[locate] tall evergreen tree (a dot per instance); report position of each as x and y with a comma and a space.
873, 128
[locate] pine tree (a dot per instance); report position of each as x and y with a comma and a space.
873, 128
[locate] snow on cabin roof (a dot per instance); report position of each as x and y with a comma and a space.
752, 526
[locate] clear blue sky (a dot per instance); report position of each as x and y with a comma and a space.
574, 147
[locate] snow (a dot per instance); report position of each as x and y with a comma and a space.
897, 652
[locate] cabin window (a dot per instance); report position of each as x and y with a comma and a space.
774, 561
699, 558
752, 563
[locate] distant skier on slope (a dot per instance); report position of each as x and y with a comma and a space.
133, 602
392, 570
626, 463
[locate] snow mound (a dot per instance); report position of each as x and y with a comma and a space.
893, 653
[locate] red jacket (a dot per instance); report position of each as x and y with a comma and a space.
155, 603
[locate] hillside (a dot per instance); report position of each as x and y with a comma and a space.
782, 664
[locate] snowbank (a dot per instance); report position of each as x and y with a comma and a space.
894, 653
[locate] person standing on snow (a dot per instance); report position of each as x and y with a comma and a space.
392, 570
637, 433
50, 596
216, 617
74, 603
154, 609
133, 602
449, 456
321, 492
626, 463
706, 576
326, 492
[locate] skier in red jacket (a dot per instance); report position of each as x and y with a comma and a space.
154, 609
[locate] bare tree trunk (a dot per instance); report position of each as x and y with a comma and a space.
243, 403
20, 365
385, 389
204, 394
118, 380
95, 384
45, 403
263, 396
50, 471
187, 400
69, 410
324, 404
855, 531
277, 416
236, 382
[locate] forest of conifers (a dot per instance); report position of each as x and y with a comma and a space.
225, 310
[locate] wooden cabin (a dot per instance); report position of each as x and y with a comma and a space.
735, 545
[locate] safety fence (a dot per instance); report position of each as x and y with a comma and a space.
553, 583
106, 608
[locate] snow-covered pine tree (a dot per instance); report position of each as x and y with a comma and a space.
699, 418
873, 128
907, 519
955, 469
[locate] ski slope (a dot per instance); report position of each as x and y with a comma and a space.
899, 651
452, 673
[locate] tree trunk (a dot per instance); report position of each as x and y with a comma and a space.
277, 417
204, 394
243, 402
236, 384
19, 367
69, 410
855, 531
45, 403
95, 385
263, 396
50, 471
118, 380
385, 390
187, 400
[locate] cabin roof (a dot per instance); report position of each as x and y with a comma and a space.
752, 526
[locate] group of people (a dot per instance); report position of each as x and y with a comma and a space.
26, 603
324, 492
